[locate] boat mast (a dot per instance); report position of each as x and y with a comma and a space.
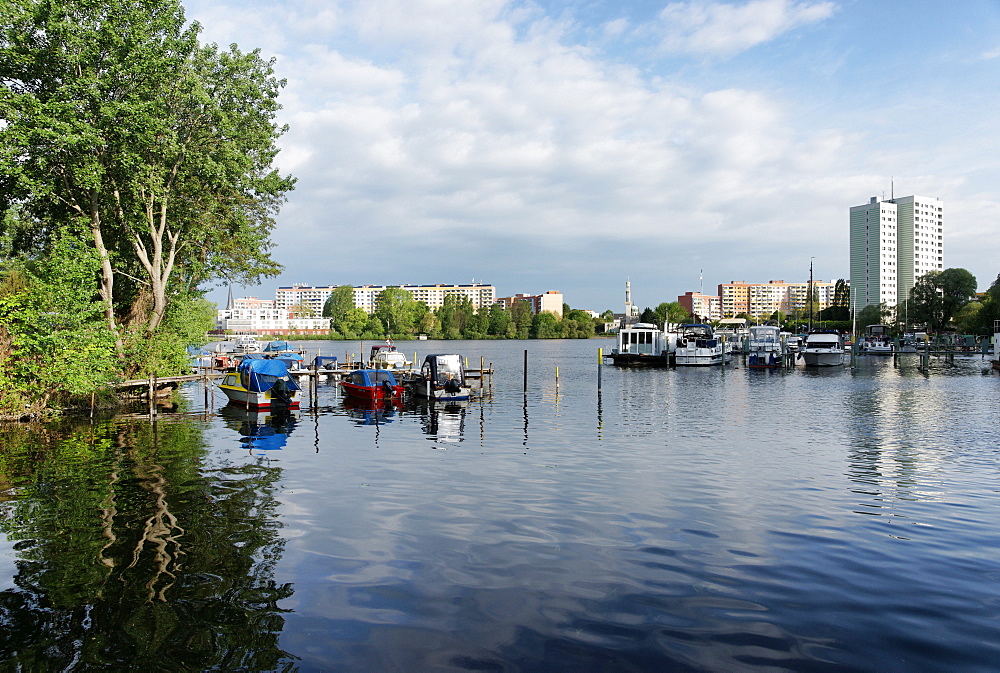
811, 293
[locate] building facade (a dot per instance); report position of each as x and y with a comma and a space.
893, 244
312, 298
701, 306
761, 300
551, 302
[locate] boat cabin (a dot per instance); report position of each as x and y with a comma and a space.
443, 370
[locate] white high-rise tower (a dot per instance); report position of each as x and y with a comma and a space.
893, 244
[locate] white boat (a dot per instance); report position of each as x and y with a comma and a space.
261, 384
385, 356
764, 347
442, 377
793, 342
247, 344
642, 344
822, 349
877, 341
697, 347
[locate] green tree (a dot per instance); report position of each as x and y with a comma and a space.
340, 301
395, 309
545, 326
114, 116
938, 295
500, 323
521, 316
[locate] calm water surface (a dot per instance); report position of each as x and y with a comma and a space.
679, 520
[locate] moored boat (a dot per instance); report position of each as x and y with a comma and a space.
697, 346
822, 348
246, 344
641, 344
441, 377
764, 347
372, 384
385, 356
261, 384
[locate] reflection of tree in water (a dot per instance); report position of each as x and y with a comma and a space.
132, 554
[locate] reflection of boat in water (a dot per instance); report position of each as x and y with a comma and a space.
444, 422
764, 347
261, 430
261, 384
442, 377
372, 384
371, 412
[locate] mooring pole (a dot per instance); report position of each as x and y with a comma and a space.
600, 369
525, 370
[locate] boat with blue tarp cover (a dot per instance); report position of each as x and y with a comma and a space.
261, 384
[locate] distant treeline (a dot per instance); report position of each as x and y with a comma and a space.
402, 317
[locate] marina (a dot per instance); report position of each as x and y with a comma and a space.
602, 518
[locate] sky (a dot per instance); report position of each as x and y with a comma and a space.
570, 145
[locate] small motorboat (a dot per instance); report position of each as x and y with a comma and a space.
372, 384
441, 377
246, 344
259, 383
385, 356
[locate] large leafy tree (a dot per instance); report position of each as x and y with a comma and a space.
114, 116
937, 296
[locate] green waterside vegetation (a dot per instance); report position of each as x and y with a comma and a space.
135, 168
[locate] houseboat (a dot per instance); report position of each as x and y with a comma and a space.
642, 344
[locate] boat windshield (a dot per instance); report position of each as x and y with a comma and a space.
449, 366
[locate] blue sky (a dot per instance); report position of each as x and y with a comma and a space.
571, 144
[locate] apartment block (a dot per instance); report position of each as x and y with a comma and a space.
893, 243
763, 299
551, 302
701, 306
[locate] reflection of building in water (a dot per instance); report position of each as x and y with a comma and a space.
444, 422
897, 438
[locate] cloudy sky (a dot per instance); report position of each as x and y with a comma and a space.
571, 144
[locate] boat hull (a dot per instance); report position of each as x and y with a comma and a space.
698, 357
764, 359
823, 358
371, 393
256, 401
439, 394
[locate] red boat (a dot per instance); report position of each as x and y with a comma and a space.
372, 384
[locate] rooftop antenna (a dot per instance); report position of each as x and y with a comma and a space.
701, 280
892, 188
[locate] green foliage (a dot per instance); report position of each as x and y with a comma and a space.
53, 344
937, 296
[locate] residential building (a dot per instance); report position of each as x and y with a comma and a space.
893, 243
761, 300
366, 296
253, 316
701, 306
551, 302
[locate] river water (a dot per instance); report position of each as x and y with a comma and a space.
674, 520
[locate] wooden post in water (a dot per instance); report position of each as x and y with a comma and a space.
482, 371
525, 370
152, 395
600, 369
557, 378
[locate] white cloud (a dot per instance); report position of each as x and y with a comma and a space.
721, 29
